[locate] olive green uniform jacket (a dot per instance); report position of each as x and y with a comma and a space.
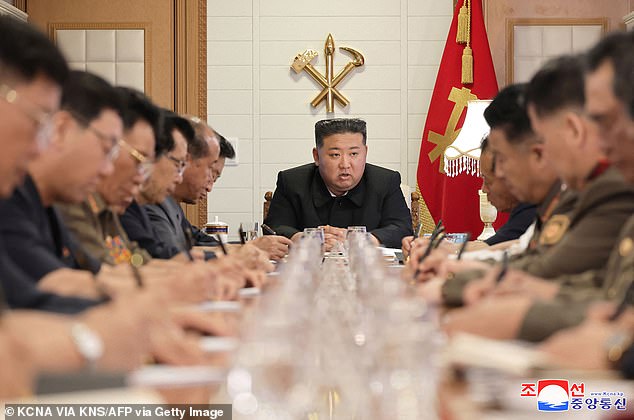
578, 236
99, 230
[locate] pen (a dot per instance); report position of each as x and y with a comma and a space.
188, 243
242, 235
464, 245
505, 267
430, 245
222, 245
437, 231
439, 239
268, 229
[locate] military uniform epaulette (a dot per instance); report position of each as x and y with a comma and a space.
92, 204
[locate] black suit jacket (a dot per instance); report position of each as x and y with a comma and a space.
21, 292
165, 218
37, 240
302, 200
520, 219
137, 224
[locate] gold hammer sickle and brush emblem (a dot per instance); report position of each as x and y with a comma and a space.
328, 83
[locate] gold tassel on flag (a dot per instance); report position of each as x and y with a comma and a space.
467, 53
462, 36
467, 66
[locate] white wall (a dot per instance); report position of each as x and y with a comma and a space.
255, 96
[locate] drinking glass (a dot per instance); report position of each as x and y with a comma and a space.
250, 230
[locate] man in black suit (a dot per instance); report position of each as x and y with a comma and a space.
87, 129
340, 189
171, 160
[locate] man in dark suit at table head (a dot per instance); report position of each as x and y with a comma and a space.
340, 189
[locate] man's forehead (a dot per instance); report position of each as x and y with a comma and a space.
344, 147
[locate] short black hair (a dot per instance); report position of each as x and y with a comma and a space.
173, 121
558, 84
507, 112
226, 148
164, 140
618, 48
325, 128
86, 95
25, 53
484, 146
137, 106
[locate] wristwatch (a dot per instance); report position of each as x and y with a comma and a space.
616, 346
88, 344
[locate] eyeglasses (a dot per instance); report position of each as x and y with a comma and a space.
180, 165
144, 164
43, 120
111, 143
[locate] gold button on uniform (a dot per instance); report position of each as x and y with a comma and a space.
626, 246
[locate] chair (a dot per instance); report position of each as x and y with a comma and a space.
413, 204
267, 203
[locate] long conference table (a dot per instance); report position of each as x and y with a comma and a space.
343, 335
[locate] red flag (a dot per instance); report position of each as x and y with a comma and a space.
455, 200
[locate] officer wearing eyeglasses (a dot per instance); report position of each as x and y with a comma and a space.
95, 222
83, 144
166, 174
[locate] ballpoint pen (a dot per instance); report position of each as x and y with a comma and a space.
505, 267
188, 243
222, 245
242, 235
268, 229
464, 246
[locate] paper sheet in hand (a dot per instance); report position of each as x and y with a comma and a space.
220, 306
213, 344
247, 292
163, 376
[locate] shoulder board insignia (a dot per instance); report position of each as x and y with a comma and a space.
554, 229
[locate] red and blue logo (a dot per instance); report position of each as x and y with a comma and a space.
553, 395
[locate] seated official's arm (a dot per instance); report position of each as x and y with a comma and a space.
69, 282
121, 326
275, 246
22, 293
17, 374
28, 251
282, 217
498, 318
252, 257
110, 282
605, 344
396, 219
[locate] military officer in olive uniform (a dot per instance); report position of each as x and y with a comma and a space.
536, 314
95, 222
